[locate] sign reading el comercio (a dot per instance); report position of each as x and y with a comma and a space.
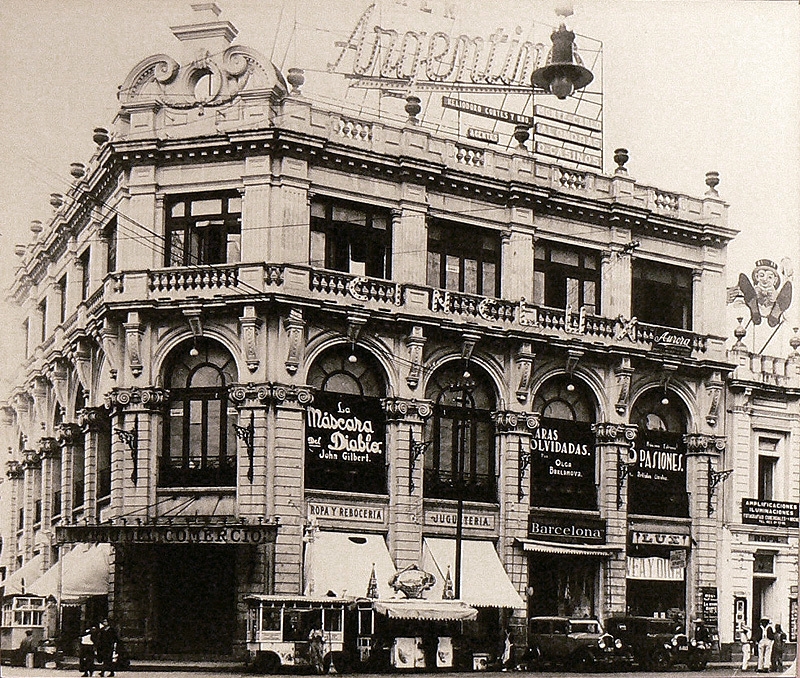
345, 443
167, 534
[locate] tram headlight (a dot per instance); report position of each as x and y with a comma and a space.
618, 644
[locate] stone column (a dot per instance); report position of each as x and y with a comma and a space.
50, 452
32, 476
405, 454
69, 436
91, 419
613, 447
15, 474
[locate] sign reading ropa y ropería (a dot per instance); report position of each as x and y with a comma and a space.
345, 443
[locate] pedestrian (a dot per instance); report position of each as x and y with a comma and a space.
764, 635
316, 650
745, 640
106, 647
86, 651
778, 643
508, 652
27, 649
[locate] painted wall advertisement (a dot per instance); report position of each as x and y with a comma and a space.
345, 443
563, 463
657, 484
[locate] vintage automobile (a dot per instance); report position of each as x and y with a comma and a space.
657, 643
576, 644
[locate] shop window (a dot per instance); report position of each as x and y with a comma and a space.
61, 288
463, 258
199, 443
203, 229
657, 479
83, 265
103, 439
764, 563
563, 455
110, 234
662, 294
351, 238
345, 425
566, 277
460, 463
767, 466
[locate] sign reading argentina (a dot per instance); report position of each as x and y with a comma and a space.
345, 443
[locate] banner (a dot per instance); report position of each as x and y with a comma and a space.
345, 443
657, 484
563, 463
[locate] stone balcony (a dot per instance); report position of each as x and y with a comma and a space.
753, 369
303, 286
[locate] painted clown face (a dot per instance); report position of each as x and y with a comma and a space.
766, 281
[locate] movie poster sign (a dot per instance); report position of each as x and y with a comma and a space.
345, 443
563, 462
657, 479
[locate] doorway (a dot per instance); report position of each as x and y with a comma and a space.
196, 599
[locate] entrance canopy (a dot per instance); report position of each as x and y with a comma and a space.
82, 573
484, 582
533, 546
437, 610
342, 563
18, 582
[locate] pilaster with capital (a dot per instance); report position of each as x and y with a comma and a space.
91, 419
614, 445
405, 455
50, 452
32, 492
70, 437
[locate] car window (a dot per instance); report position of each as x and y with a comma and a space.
561, 626
588, 626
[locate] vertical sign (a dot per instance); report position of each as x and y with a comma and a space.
739, 615
792, 620
710, 607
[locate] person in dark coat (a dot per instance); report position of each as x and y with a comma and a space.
106, 647
86, 650
778, 645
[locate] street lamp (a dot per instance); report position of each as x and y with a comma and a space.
564, 72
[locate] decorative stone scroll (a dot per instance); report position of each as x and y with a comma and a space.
525, 358
624, 372
701, 443
69, 434
49, 448
415, 342
398, 409
133, 343
148, 398
714, 390
506, 421
294, 325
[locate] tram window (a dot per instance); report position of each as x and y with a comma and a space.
271, 619
332, 619
365, 622
293, 628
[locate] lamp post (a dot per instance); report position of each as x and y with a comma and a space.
461, 390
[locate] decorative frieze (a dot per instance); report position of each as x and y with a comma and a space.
701, 443
250, 394
506, 421
614, 434
149, 398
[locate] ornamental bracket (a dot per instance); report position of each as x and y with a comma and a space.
416, 449
247, 435
131, 439
715, 478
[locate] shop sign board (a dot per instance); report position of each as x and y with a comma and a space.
166, 534
657, 484
348, 512
768, 538
578, 157
793, 620
579, 138
567, 118
677, 559
659, 539
345, 443
770, 513
572, 529
710, 605
674, 341
450, 519
563, 462
483, 135
487, 111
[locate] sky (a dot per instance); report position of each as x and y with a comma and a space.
688, 87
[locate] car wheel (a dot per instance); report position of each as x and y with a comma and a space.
266, 662
534, 658
697, 664
659, 661
582, 661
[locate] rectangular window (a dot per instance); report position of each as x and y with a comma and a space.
62, 299
662, 294
104, 458
110, 233
351, 238
463, 258
767, 464
78, 471
21, 519
203, 229
42, 309
83, 264
566, 277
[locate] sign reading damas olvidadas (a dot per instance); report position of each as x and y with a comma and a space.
345, 443
657, 483
563, 465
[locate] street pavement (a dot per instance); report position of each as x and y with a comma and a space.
728, 670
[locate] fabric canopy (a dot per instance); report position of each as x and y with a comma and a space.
654, 569
343, 562
83, 573
439, 610
18, 582
532, 545
484, 582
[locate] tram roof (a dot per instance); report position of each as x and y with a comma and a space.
297, 599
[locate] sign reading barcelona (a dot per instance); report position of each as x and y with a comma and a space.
345, 443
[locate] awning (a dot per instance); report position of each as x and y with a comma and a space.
83, 573
653, 569
534, 546
342, 563
19, 581
437, 610
484, 582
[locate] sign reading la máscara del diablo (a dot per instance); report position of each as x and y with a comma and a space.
658, 475
345, 443
563, 464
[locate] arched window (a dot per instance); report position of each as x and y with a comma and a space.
657, 484
461, 459
346, 425
199, 444
563, 454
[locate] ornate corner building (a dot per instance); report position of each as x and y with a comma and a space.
261, 330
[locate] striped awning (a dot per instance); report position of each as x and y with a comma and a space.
531, 545
437, 610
